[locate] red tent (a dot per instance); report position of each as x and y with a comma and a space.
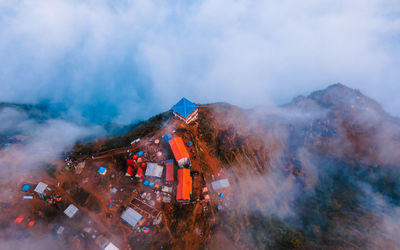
129, 171
19, 219
139, 173
130, 163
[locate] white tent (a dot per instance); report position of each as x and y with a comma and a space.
223, 183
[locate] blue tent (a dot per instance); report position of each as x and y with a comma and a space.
184, 107
26, 187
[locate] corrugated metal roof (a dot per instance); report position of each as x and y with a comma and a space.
153, 169
184, 107
71, 210
184, 187
223, 183
40, 188
169, 173
111, 246
178, 149
131, 216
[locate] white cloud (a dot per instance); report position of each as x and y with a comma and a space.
143, 56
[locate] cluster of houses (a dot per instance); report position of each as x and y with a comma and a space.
177, 174
177, 170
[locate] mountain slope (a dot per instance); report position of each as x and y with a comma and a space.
320, 172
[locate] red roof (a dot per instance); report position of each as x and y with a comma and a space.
130, 163
178, 148
169, 176
184, 187
129, 171
19, 219
139, 173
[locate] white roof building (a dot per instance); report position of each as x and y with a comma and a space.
60, 230
223, 183
41, 188
166, 189
111, 246
71, 211
131, 217
154, 170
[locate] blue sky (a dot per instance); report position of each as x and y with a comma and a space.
127, 60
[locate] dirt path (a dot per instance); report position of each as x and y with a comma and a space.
92, 215
198, 205
167, 227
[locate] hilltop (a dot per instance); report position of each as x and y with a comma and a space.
307, 174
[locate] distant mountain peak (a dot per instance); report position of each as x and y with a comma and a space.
341, 96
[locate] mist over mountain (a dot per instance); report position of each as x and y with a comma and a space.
318, 172
87, 90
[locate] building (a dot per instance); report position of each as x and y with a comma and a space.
139, 173
220, 184
130, 163
179, 150
79, 168
184, 187
105, 244
71, 211
169, 172
41, 189
129, 171
185, 110
153, 170
166, 189
102, 170
131, 217
110, 246
167, 137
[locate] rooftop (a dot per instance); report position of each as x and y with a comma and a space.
71, 211
184, 107
40, 188
223, 183
102, 170
131, 216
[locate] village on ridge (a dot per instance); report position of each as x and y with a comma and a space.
93, 194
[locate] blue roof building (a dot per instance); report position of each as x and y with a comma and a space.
102, 170
167, 137
185, 110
